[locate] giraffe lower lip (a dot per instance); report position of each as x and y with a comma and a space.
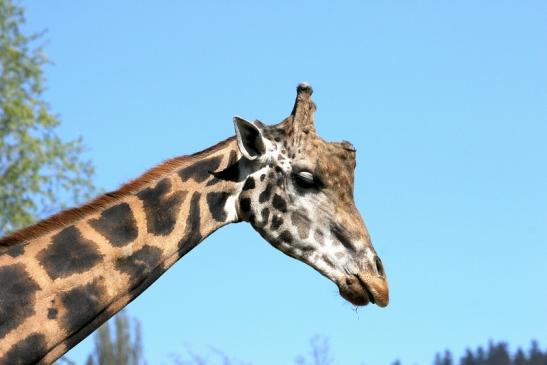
356, 291
355, 298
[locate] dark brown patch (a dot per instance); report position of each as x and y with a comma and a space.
249, 184
286, 236
161, 210
27, 351
302, 223
231, 172
117, 224
279, 203
17, 295
265, 215
262, 177
82, 304
139, 264
200, 170
277, 221
192, 236
69, 253
266, 194
216, 202
245, 204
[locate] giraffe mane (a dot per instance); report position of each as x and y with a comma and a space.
69, 216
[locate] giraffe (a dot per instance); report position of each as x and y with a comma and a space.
63, 277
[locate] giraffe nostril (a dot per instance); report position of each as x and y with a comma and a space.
379, 266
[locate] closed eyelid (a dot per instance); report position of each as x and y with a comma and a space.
309, 178
303, 168
306, 174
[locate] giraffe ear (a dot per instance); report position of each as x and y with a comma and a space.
249, 138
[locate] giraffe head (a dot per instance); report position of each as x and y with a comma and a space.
298, 195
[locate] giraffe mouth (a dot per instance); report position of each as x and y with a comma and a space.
361, 290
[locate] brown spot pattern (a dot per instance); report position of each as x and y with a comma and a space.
69, 253
302, 223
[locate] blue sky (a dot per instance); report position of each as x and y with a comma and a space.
446, 103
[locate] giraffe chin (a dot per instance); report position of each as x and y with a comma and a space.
361, 290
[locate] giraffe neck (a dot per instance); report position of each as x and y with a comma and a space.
64, 283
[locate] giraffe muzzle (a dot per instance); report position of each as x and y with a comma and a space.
362, 289
367, 286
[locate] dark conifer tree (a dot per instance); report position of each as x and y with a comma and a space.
536, 356
498, 354
520, 358
480, 357
447, 360
468, 358
444, 359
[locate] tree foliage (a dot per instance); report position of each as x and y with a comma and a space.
37, 168
320, 353
496, 354
213, 357
120, 345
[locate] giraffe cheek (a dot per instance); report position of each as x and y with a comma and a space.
277, 221
266, 194
302, 223
279, 203
265, 215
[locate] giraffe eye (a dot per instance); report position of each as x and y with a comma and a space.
306, 176
306, 180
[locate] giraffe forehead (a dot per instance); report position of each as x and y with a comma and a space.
333, 161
